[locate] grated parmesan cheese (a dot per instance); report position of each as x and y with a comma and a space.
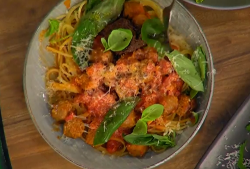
231, 159
104, 126
82, 51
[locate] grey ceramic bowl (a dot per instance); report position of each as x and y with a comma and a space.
222, 4
75, 150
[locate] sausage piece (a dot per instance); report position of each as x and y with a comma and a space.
136, 150
170, 104
61, 110
73, 128
184, 105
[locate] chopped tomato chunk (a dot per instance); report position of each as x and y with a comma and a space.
70, 116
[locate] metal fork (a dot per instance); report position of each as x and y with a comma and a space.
167, 14
166, 19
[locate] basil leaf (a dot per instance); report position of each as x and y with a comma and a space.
248, 127
163, 140
241, 156
140, 128
119, 39
198, 1
149, 140
152, 112
104, 43
91, 4
199, 60
113, 119
155, 35
194, 59
139, 139
202, 63
53, 28
186, 70
193, 93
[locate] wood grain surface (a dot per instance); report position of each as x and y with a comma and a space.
228, 33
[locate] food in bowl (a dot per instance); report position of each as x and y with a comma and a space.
119, 82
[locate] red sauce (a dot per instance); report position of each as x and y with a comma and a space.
171, 85
113, 146
97, 43
97, 102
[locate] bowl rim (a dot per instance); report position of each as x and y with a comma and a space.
158, 163
217, 8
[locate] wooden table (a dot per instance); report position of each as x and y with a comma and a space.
228, 33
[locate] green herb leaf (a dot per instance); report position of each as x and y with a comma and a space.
113, 119
199, 60
104, 43
194, 59
154, 34
163, 139
202, 63
241, 156
198, 1
194, 118
140, 128
150, 140
53, 27
248, 127
119, 39
139, 139
193, 93
186, 70
91, 4
152, 112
